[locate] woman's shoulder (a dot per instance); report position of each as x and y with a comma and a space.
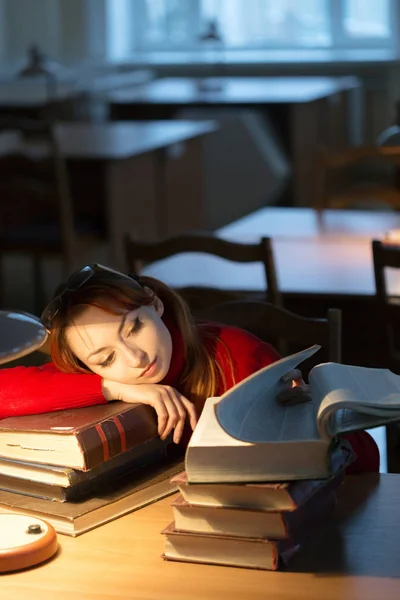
238, 352
229, 333
237, 338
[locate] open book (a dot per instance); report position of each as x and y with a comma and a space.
247, 436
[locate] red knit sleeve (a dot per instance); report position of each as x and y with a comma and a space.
32, 390
241, 354
366, 451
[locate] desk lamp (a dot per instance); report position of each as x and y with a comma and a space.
24, 541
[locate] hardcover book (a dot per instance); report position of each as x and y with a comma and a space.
64, 484
228, 550
246, 435
122, 496
282, 496
82, 438
254, 523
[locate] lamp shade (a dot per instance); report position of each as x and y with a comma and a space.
20, 334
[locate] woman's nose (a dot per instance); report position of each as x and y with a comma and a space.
135, 356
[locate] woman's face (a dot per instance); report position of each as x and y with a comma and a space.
132, 347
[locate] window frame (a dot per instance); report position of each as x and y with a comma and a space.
340, 39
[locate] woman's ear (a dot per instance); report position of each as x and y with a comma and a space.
157, 303
159, 306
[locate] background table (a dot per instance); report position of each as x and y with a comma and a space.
321, 264
354, 556
307, 112
134, 177
317, 254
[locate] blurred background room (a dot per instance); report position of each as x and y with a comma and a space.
268, 123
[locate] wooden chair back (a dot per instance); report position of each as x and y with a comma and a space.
387, 255
36, 213
375, 183
35, 173
273, 324
139, 253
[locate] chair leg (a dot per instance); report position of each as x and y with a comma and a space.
39, 297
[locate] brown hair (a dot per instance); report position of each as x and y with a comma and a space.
113, 292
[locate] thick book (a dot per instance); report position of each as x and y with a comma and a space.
246, 435
282, 496
121, 497
63, 484
246, 522
254, 553
81, 438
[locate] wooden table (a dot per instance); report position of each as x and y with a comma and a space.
321, 263
67, 94
134, 176
306, 111
309, 223
354, 556
329, 255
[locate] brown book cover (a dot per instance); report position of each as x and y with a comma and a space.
243, 551
81, 438
122, 496
73, 484
252, 553
252, 523
285, 496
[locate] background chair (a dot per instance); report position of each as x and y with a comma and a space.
275, 324
386, 255
140, 253
36, 213
358, 176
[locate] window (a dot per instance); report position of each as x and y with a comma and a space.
195, 24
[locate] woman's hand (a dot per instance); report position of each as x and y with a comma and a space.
171, 407
293, 390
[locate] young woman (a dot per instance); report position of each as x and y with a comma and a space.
115, 337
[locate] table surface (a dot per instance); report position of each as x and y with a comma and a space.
354, 556
33, 92
309, 223
331, 255
116, 141
232, 90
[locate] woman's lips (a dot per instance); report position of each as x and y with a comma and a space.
150, 369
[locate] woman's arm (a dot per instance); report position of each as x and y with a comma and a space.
32, 390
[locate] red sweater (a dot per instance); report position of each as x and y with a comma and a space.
31, 390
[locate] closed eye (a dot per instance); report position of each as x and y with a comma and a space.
109, 360
136, 327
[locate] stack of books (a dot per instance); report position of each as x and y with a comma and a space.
80, 468
253, 525
260, 476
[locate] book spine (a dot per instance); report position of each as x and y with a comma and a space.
102, 441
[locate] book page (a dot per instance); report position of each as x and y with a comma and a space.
353, 398
249, 411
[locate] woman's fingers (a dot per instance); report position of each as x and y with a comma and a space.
162, 415
185, 408
191, 411
173, 415
180, 423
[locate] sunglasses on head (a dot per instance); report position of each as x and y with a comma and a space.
74, 283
